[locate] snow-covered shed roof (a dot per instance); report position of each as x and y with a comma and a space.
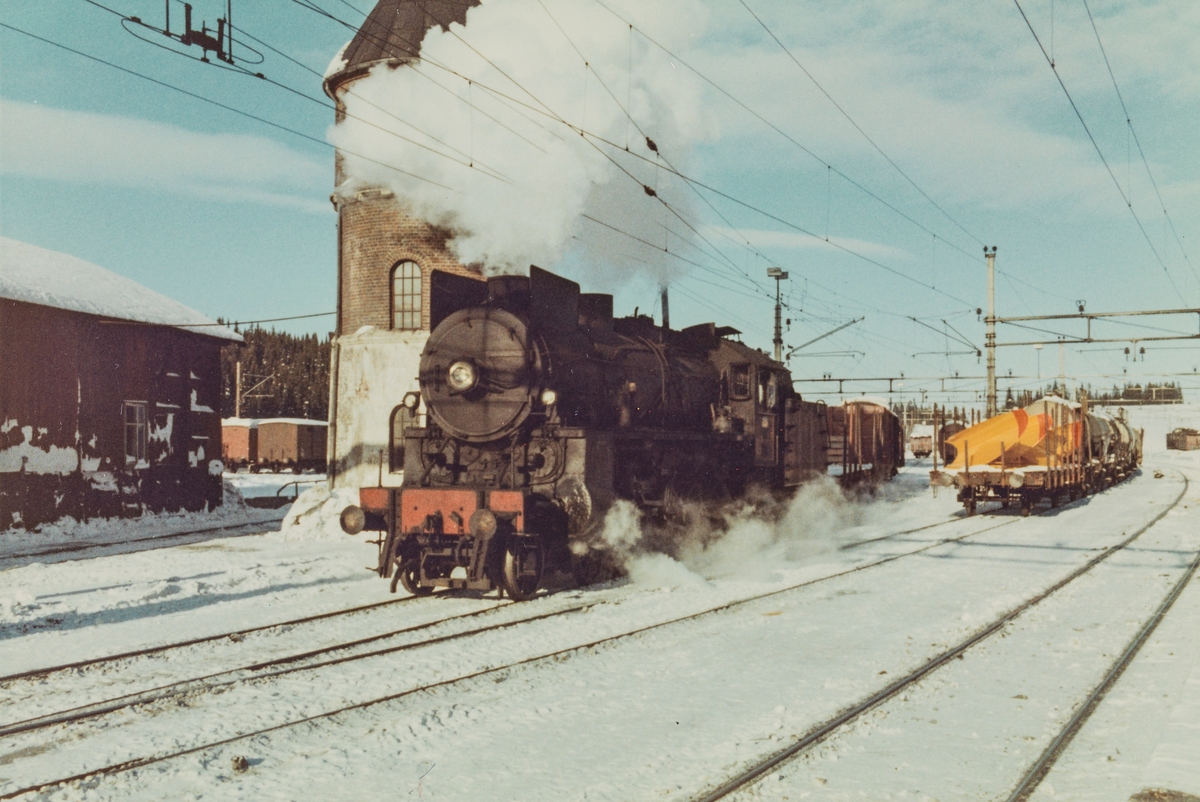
254, 423
39, 276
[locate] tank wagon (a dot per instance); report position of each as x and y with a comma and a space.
538, 410
1051, 450
866, 441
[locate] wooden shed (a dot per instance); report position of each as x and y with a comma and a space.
108, 394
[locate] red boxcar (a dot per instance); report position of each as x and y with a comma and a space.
274, 444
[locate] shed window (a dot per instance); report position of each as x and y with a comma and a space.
135, 431
406, 296
739, 382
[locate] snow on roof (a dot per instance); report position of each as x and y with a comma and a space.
254, 423
869, 399
38, 276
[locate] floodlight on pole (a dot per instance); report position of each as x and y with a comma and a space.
779, 274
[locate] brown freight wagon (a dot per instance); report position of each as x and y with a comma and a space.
866, 441
239, 442
292, 443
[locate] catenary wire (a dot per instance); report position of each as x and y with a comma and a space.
1088, 131
216, 103
857, 127
1142, 153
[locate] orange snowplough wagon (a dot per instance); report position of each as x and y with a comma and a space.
1051, 450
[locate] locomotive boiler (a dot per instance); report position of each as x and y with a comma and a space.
541, 410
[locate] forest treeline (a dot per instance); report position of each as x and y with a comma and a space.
283, 376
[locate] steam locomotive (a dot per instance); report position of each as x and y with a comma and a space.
541, 410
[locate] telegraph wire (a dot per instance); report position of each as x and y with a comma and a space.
1088, 131
216, 103
488, 171
781, 132
589, 136
550, 113
413, 53
857, 127
471, 161
1132, 131
809, 152
553, 115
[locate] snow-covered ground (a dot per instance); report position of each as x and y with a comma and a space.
807, 616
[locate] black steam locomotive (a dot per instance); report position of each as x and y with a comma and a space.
541, 410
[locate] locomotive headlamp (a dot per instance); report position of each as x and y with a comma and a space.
549, 397
461, 376
411, 401
353, 520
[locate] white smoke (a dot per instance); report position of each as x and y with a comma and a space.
549, 175
756, 536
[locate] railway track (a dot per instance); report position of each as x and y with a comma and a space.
72, 548
268, 672
235, 635
1041, 766
277, 667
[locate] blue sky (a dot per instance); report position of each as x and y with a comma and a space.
231, 215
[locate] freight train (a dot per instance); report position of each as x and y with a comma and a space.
1052, 450
541, 410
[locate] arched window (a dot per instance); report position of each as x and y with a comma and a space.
406, 296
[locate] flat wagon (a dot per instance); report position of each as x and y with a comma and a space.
1052, 450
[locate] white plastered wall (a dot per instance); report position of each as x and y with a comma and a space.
375, 368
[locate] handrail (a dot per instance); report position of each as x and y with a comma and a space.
297, 483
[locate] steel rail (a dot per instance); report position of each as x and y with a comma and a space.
135, 763
41, 673
74, 547
204, 684
823, 730
1038, 771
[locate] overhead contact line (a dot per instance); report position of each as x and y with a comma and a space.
1092, 139
857, 127
220, 105
1142, 153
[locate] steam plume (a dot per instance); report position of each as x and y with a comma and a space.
522, 180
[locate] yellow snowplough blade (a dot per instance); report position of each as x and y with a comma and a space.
1021, 434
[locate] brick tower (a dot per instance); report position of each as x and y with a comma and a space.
385, 258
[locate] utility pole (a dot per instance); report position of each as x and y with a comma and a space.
991, 331
779, 275
237, 391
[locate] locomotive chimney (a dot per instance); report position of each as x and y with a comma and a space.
666, 309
